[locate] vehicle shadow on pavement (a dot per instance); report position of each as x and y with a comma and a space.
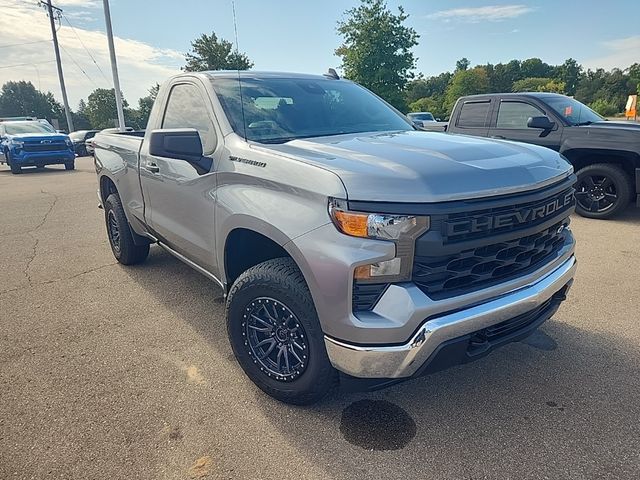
40, 171
563, 404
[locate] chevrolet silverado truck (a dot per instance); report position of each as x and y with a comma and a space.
350, 246
605, 154
32, 143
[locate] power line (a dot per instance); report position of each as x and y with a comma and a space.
26, 64
86, 49
78, 65
25, 43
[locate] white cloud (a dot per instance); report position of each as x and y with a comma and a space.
140, 65
622, 52
491, 13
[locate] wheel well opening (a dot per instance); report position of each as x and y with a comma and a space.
107, 187
627, 161
245, 248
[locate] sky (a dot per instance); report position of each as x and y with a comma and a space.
300, 36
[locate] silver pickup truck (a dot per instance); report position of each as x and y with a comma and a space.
349, 245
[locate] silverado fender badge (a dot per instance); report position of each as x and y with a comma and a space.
247, 161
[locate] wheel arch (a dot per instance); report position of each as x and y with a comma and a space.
628, 161
252, 241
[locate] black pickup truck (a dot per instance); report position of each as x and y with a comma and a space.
605, 155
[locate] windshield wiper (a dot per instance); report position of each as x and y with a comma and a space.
579, 124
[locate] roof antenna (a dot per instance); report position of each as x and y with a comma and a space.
331, 73
235, 28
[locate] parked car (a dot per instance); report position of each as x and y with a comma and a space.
420, 118
605, 154
79, 139
345, 240
26, 143
89, 143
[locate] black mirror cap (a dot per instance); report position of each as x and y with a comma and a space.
178, 143
541, 122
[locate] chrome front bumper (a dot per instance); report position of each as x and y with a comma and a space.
399, 361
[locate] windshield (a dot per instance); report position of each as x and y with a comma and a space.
17, 128
277, 110
573, 111
422, 116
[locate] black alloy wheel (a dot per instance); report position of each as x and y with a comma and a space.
602, 190
275, 339
114, 231
596, 193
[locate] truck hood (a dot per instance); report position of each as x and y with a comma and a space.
618, 126
37, 137
427, 166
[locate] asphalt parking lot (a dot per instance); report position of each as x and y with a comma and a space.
108, 372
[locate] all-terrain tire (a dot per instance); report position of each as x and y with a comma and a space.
280, 282
119, 233
602, 191
15, 169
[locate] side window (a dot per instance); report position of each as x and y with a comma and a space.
473, 114
186, 109
516, 114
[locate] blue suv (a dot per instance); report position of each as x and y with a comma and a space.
33, 143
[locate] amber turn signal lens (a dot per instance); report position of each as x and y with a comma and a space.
352, 223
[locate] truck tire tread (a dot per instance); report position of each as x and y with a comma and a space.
129, 253
282, 279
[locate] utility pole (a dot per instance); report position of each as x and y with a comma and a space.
114, 66
65, 100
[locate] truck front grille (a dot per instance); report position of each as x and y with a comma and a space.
45, 147
475, 268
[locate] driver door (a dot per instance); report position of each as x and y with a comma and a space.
179, 195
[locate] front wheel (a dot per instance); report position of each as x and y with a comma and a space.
119, 233
70, 165
602, 191
15, 169
275, 334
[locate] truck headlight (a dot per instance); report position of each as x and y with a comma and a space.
381, 226
16, 143
69, 142
401, 229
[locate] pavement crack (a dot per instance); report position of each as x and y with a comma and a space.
32, 234
49, 282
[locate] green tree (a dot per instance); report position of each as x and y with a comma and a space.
535, 84
101, 109
604, 107
466, 82
80, 119
462, 64
534, 67
145, 104
21, 99
434, 104
569, 73
208, 52
376, 49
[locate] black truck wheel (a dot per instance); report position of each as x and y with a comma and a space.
119, 233
15, 169
602, 190
70, 165
275, 334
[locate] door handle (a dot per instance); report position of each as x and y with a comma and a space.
152, 167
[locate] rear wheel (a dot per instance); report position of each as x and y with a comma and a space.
119, 233
275, 334
602, 191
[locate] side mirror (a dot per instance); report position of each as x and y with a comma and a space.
542, 122
179, 143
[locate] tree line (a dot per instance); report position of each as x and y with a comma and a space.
376, 51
